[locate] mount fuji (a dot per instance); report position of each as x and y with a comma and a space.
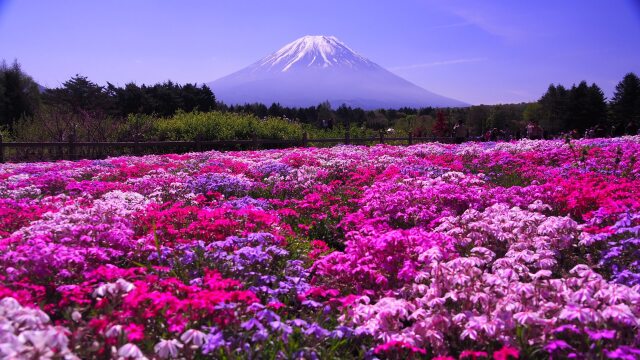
313, 69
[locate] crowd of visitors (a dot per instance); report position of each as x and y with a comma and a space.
534, 131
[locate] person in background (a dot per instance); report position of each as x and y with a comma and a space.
460, 132
494, 134
631, 129
574, 134
539, 131
534, 131
589, 134
529, 130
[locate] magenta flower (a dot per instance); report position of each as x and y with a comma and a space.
505, 353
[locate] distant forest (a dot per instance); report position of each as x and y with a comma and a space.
85, 111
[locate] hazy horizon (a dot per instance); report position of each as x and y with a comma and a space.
479, 53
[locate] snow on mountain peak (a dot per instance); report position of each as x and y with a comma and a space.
313, 51
313, 69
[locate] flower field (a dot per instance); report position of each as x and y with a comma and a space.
526, 250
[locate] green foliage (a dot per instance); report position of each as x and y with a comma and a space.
29, 128
625, 104
218, 125
162, 99
477, 118
554, 109
507, 117
418, 125
581, 107
587, 106
377, 120
19, 94
78, 95
86, 111
532, 112
138, 127
5, 134
338, 132
441, 126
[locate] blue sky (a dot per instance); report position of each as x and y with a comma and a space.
475, 51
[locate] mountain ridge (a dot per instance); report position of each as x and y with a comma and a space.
313, 69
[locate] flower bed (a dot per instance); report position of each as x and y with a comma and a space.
524, 250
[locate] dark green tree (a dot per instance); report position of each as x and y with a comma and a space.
441, 126
130, 99
79, 94
586, 107
625, 104
345, 115
554, 109
19, 94
275, 110
477, 117
377, 120
597, 105
498, 118
324, 112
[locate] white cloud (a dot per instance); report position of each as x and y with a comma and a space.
440, 63
454, 25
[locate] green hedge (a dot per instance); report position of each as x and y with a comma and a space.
218, 125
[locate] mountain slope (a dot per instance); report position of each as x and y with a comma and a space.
313, 69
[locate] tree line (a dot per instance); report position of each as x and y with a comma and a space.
91, 112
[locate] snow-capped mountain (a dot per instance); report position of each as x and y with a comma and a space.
313, 52
313, 69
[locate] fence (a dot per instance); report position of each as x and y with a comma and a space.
74, 150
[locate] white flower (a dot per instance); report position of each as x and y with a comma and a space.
124, 285
621, 314
469, 333
8, 304
103, 290
168, 348
130, 351
76, 316
37, 338
113, 331
574, 312
56, 338
193, 336
120, 286
541, 274
527, 317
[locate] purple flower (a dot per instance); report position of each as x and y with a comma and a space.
267, 315
596, 335
298, 323
280, 326
312, 304
251, 324
222, 183
214, 341
567, 327
556, 345
260, 335
341, 332
624, 353
248, 201
317, 331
